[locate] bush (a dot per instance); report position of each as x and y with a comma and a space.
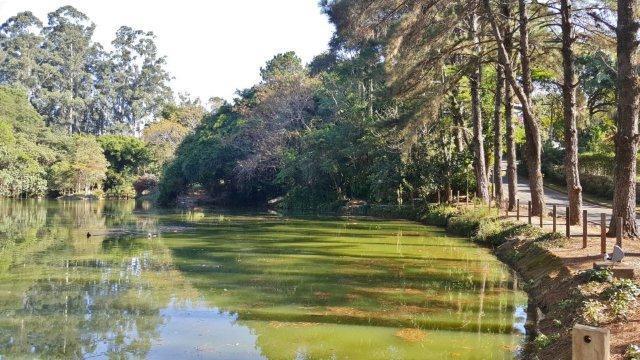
599, 275
593, 312
438, 215
632, 353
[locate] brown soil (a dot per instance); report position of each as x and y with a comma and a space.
553, 271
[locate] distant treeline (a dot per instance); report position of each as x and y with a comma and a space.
73, 82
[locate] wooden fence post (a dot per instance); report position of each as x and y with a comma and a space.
603, 233
518, 209
529, 211
438, 197
619, 232
585, 229
555, 219
458, 197
567, 223
590, 343
542, 218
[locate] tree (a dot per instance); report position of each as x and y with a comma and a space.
627, 137
533, 146
572, 173
497, 137
88, 164
479, 165
140, 79
125, 154
66, 82
20, 41
512, 167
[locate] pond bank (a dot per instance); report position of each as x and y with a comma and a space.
560, 293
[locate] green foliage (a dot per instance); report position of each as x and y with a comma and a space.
593, 312
599, 275
542, 341
125, 153
622, 294
632, 352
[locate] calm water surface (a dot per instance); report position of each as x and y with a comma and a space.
221, 286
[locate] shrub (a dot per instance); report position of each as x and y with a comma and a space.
593, 312
632, 353
438, 215
599, 275
622, 295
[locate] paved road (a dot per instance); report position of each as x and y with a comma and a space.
558, 198
553, 197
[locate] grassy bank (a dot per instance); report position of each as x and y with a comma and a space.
559, 297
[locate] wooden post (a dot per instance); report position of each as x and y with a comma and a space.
458, 197
603, 233
585, 229
438, 197
567, 224
619, 232
590, 343
529, 211
555, 219
518, 209
542, 218
467, 196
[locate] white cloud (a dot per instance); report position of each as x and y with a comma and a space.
213, 47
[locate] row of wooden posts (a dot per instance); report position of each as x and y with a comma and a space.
585, 222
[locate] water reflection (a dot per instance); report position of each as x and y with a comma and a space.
243, 287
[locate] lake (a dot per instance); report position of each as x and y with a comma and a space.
210, 284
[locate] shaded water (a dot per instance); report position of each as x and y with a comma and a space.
220, 286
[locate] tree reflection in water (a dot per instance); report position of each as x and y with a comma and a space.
243, 287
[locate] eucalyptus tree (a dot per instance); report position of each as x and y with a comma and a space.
65, 82
139, 78
20, 40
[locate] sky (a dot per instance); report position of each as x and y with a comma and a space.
213, 47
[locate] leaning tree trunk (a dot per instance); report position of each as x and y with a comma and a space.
497, 137
574, 189
479, 163
531, 125
624, 197
533, 146
512, 166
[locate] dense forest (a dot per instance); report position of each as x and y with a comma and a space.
412, 98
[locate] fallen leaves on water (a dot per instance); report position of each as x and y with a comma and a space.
412, 335
283, 324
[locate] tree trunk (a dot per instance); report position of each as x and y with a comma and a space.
497, 138
458, 120
512, 166
572, 174
533, 146
624, 197
480, 167
532, 127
